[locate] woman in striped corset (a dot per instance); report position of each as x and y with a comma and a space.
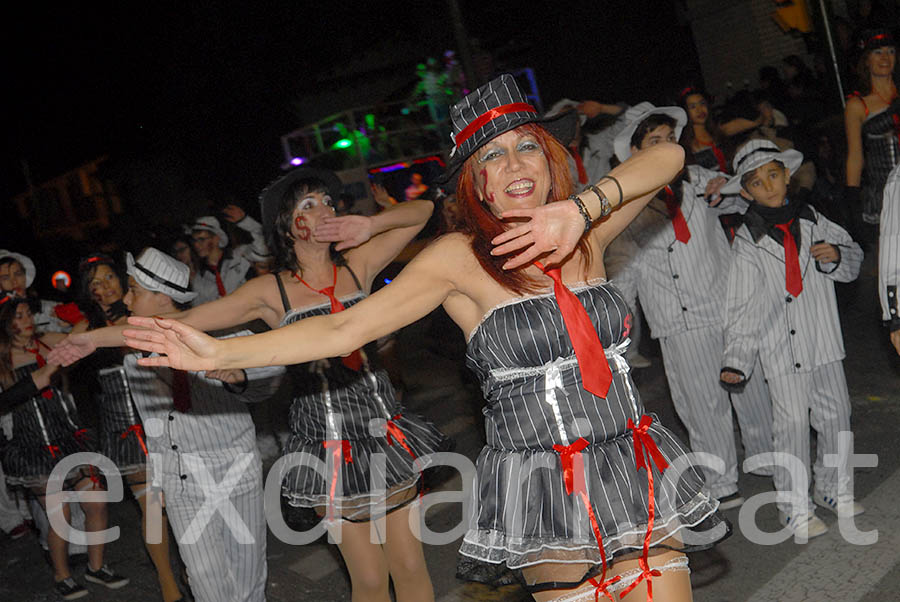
45, 430
579, 493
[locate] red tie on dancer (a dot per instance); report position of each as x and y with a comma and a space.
41, 362
595, 373
354, 360
181, 391
793, 279
682, 232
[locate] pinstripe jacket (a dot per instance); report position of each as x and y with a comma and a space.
790, 334
218, 420
889, 251
681, 286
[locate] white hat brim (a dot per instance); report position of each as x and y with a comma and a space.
154, 285
622, 142
223, 238
30, 271
791, 159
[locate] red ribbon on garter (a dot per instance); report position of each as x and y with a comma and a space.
338, 447
81, 437
573, 477
516, 107
138, 431
573, 465
644, 443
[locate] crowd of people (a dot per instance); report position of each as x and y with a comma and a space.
560, 232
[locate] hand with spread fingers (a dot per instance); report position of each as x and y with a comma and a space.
347, 231
178, 345
553, 228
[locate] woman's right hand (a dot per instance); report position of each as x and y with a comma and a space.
553, 228
178, 345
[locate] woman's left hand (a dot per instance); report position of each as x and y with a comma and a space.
553, 228
348, 231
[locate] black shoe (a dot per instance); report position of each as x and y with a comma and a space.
105, 576
69, 589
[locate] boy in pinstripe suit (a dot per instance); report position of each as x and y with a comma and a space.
679, 270
781, 306
889, 256
204, 443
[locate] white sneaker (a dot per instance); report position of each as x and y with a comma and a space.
844, 507
806, 525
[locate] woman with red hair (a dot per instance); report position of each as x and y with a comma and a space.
574, 494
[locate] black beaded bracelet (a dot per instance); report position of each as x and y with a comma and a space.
605, 205
582, 210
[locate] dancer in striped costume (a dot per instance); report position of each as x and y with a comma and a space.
337, 401
46, 430
576, 492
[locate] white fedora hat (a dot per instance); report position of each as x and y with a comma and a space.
160, 273
753, 155
26, 262
211, 224
635, 115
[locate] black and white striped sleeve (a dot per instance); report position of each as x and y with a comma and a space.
743, 308
889, 251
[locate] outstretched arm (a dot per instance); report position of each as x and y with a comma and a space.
243, 305
420, 288
556, 228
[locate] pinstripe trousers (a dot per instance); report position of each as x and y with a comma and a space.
819, 399
692, 359
219, 567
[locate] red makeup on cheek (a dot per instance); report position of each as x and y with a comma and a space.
302, 228
488, 197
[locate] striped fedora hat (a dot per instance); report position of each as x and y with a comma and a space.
493, 109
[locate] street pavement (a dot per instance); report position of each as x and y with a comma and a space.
437, 386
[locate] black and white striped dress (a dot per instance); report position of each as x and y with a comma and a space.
45, 430
122, 438
881, 148
524, 359
333, 402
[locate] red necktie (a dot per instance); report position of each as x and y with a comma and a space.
793, 279
579, 164
181, 391
219, 284
354, 360
595, 373
682, 232
41, 362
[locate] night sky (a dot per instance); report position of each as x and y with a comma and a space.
210, 87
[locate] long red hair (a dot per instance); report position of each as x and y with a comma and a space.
483, 225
